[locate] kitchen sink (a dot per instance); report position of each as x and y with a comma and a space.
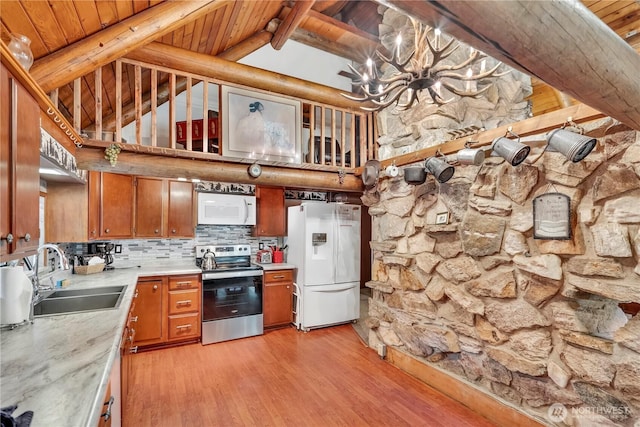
78, 300
87, 291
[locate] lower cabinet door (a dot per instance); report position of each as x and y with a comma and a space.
184, 326
150, 312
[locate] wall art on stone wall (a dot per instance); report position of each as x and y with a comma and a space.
552, 217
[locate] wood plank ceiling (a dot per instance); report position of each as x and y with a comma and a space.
348, 28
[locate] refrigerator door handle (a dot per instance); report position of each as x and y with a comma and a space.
332, 290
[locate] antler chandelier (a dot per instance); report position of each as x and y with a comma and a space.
422, 69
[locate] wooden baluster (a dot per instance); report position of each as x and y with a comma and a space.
119, 101
154, 107
172, 110
138, 98
189, 118
205, 116
77, 105
98, 99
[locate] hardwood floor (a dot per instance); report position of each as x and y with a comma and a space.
326, 377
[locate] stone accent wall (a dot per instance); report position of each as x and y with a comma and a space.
533, 322
426, 124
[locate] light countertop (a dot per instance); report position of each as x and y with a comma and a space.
277, 266
59, 366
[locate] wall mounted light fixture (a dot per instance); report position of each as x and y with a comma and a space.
439, 168
513, 151
574, 146
469, 155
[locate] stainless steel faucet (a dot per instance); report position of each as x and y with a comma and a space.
35, 280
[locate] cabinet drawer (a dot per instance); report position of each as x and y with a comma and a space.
184, 282
184, 301
184, 326
278, 276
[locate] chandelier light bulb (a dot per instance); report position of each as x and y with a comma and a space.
365, 77
370, 65
380, 88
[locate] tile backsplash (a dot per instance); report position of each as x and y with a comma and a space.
145, 249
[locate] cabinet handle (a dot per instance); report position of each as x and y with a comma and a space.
173, 230
108, 404
106, 230
182, 284
183, 327
27, 237
234, 311
155, 287
93, 232
9, 238
156, 231
184, 302
278, 277
133, 349
136, 294
134, 319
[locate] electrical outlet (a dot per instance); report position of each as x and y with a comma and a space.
52, 264
118, 249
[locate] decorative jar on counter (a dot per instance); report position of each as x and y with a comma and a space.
19, 48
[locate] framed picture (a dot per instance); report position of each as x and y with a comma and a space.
442, 218
260, 126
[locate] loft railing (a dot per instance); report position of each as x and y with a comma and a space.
133, 102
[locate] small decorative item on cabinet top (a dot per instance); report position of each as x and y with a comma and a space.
19, 48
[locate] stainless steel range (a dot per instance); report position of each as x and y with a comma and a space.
231, 293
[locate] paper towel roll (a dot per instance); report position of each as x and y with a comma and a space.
15, 295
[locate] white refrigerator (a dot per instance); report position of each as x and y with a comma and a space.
324, 244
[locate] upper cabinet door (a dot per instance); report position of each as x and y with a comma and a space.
19, 162
149, 207
181, 209
271, 217
116, 206
5, 181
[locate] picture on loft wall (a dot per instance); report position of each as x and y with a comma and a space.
260, 126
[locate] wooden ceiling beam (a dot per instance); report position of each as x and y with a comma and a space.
291, 22
575, 52
103, 47
222, 70
148, 161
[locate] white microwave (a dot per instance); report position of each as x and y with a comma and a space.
226, 209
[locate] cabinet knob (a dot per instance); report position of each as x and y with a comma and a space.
155, 287
9, 238
106, 230
173, 230
27, 237
134, 319
93, 232
156, 231
136, 294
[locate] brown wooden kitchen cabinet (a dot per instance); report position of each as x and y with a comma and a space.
181, 221
184, 307
149, 200
150, 310
271, 213
278, 298
110, 206
19, 175
163, 208
168, 310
